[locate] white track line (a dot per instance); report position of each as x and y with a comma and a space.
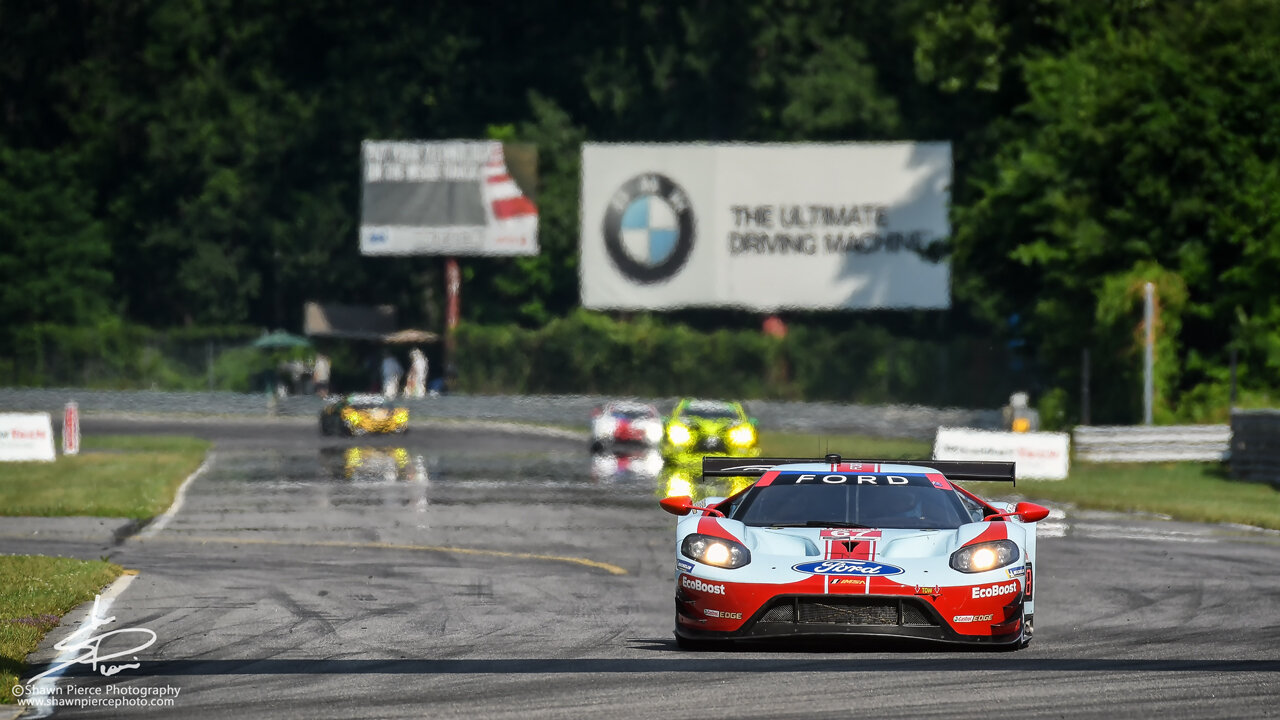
159, 523
45, 686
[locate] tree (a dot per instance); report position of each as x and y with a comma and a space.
1144, 153
54, 267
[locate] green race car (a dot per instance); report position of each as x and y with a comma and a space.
700, 427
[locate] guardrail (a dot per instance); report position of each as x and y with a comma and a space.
1125, 443
1255, 445
912, 421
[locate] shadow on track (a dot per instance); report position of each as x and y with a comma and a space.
685, 663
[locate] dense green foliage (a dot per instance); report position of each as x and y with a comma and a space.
173, 162
589, 352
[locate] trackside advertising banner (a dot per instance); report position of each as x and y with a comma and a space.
1038, 455
458, 197
26, 436
764, 227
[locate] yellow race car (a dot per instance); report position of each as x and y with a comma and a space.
701, 427
363, 415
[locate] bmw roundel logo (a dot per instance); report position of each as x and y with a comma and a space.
649, 228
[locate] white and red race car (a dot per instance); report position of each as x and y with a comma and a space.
624, 423
829, 548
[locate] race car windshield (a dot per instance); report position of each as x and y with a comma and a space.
714, 412
365, 403
631, 413
810, 502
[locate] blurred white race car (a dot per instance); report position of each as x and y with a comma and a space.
625, 423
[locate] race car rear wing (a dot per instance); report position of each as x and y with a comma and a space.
962, 470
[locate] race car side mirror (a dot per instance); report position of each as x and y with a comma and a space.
1031, 512
678, 505
1025, 511
683, 505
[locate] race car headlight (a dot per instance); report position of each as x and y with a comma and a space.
606, 427
401, 416
653, 432
679, 434
982, 557
351, 416
742, 436
715, 551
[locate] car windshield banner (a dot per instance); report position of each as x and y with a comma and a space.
765, 227
458, 197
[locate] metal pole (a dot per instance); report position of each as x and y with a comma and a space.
1233, 377
1084, 386
453, 300
1149, 384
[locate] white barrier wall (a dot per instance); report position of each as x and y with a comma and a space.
26, 436
1154, 443
1039, 455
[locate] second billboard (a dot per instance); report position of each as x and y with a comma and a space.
765, 227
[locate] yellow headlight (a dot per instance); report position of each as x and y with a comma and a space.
679, 434
742, 436
401, 416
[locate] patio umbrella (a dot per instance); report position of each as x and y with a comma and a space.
405, 337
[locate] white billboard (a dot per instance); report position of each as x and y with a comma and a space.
1038, 455
764, 227
26, 436
455, 197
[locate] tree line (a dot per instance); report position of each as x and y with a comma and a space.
195, 162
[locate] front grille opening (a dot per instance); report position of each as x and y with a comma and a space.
913, 615
780, 613
867, 611
882, 613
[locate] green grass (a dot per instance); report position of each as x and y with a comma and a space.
1198, 492
35, 592
127, 476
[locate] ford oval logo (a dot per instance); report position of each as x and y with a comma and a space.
847, 567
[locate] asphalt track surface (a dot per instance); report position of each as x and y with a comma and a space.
489, 574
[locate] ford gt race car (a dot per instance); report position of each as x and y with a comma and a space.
832, 548
697, 427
